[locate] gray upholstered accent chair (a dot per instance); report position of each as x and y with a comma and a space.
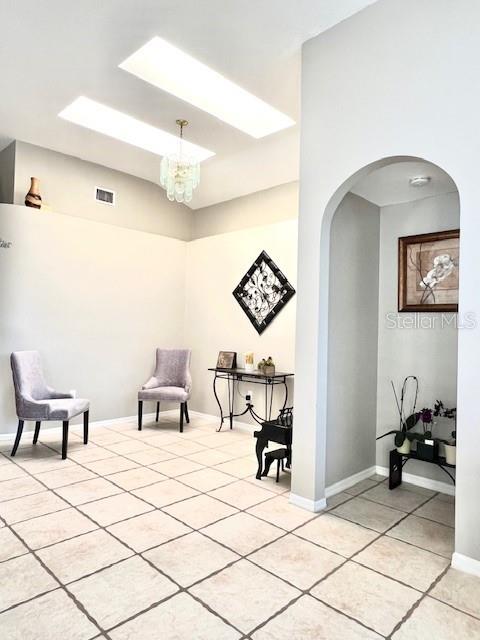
171, 382
38, 402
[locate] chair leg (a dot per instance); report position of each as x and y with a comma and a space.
85, 427
65, 439
37, 431
158, 412
17, 438
140, 410
181, 416
278, 471
187, 417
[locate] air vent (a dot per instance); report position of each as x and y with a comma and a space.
105, 196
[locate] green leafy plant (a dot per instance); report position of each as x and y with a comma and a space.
441, 410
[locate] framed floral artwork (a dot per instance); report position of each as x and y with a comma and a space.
428, 268
263, 292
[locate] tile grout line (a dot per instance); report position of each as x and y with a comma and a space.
78, 604
135, 553
234, 480
351, 558
287, 532
156, 568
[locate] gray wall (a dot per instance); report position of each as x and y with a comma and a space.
365, 100
7, 173
67, 185
94, 299
352, 344
430, 353
257, 209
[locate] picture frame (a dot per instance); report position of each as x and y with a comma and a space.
227, 360
428, 270
263, 292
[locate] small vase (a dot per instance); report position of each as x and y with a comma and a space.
33, 197
451, 454
406, 447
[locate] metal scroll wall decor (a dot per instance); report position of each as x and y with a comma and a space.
263, 292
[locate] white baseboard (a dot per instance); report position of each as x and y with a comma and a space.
241, 426
310, 505
346, 483
319, 505
421, 481
466, 564
92, 425
237, 424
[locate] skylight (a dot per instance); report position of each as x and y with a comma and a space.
163, 65
98, 117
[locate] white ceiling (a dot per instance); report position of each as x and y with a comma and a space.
390, 184
51, 52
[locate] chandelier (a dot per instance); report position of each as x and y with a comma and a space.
179, 174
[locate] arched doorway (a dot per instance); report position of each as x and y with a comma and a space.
357, 359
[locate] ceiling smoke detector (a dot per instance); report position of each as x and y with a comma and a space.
419, 181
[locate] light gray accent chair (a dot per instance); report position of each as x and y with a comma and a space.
171, 382
38, 402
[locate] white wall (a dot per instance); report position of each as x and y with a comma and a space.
429, 353
67, 185
214, 320
94, 299
353, 337
256, 209
7, 173
390, 81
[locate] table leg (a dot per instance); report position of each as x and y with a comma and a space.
218, 401
395, 471
266, 399
259, 447
286, 393
272, 386
452, 478
231, 399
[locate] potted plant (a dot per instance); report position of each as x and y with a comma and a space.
427, 446
403, 435
450, 445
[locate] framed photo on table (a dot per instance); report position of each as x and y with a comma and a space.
428, 269
227, 360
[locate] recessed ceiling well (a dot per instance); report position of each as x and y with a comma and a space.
391, 184
167, 67
75, 48
98, 117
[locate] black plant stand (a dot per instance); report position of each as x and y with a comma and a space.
399, 460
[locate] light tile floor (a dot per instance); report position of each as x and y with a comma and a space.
160, 535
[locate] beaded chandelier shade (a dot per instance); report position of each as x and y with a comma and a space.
179, 174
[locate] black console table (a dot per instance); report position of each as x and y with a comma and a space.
399, 460
233, 376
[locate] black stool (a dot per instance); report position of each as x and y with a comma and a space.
279, 455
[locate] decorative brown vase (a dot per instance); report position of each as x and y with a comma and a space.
33, 197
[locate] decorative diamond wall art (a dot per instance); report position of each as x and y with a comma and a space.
263, 292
